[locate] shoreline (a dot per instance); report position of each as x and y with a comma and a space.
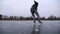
29, 20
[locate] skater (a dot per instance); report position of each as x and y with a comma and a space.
34, 11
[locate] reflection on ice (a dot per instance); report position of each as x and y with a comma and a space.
36, 28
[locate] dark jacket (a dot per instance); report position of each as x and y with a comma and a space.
34, 6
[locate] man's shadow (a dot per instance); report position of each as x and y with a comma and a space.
36, 29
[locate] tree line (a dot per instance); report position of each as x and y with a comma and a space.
4, 17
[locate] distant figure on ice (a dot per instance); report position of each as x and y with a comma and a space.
34, 11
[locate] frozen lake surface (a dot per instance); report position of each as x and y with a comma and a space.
28, 27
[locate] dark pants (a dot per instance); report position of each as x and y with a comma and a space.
35, 12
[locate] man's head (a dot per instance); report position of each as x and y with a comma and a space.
36, 3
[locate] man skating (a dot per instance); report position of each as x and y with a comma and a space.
34, 11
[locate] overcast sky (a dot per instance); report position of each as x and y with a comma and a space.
22, 7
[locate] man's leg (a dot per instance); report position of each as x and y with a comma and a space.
33, 17
38, 17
